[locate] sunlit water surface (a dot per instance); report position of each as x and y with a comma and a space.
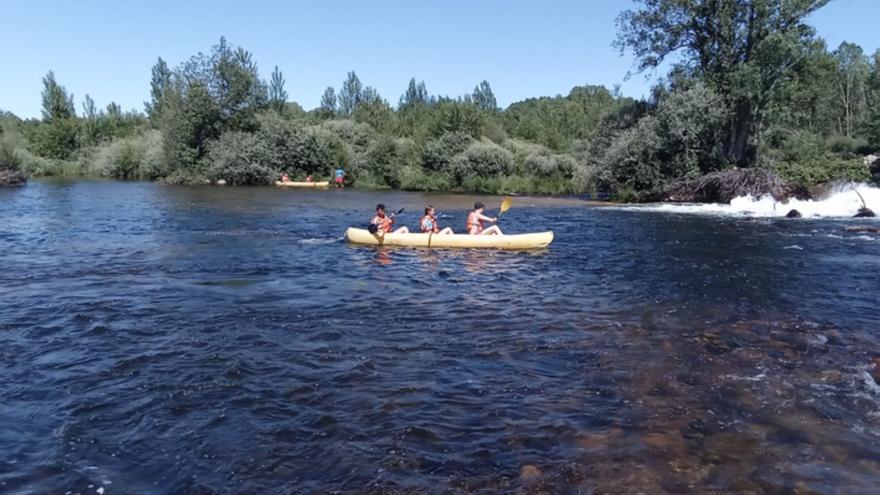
158, 339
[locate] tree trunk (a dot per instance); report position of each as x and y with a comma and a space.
740, 128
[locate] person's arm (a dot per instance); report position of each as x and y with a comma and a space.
486, 219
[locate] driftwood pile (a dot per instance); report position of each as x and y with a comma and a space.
12, 178
721, 187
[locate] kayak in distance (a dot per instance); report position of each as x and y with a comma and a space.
507, 241
302, 184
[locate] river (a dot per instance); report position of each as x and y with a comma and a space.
159, 339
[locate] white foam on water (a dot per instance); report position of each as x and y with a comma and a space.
842, 202
319, 240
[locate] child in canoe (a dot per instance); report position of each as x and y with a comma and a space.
384, 223
475, 221
428, 223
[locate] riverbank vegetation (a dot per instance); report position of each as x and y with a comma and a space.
750, 86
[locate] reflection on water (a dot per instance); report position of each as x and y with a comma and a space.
192, 340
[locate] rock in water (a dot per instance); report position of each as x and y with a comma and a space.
863, 229
793, 214
865, 212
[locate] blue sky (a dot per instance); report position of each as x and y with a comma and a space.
524, 49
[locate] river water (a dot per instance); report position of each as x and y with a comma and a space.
158, 339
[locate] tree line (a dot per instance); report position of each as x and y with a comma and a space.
750, 85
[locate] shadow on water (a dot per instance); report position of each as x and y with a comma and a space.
176, 340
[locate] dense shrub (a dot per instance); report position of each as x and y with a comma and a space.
240, 159
583, 180
550, 165
440, 152
138, 157
57, 139
8, 159
848, 145
414, 178
481, 159
822, 169
629, 161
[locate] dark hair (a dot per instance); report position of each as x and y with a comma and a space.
478, 205
428, 209
380, 206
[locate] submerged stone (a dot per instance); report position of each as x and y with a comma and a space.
793, 214
863, 229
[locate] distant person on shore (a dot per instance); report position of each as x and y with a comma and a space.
428, 223
339, 178
475, 221
384, 223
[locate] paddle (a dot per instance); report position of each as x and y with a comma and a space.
373, 229
505, 205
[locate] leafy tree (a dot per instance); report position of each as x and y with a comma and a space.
351, 95
375, 111
741, 48
440, 152
160, 83
416, 94
277, 93
57, 103
90, 121
235, 85
328, 102
240, 159
457, 116
557, 122
852, 76
481, 159
872, 124
483, 97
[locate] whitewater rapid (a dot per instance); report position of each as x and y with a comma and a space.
842, 201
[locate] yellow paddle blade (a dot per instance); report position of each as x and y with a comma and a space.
506, 204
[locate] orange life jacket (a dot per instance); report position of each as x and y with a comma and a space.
473, 220
383, 223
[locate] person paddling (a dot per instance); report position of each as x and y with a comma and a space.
475, 221
384, 223
428, 223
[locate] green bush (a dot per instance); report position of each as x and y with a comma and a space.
383, 161
846, 145
626, 194
583, 180
785, 145
550, 165
57, 139
440, 152
822, 169
240, 159
481, 159
292, 148
8, 159
414, 178
138, 157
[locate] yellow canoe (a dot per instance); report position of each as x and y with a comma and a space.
302, 184
514, 241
